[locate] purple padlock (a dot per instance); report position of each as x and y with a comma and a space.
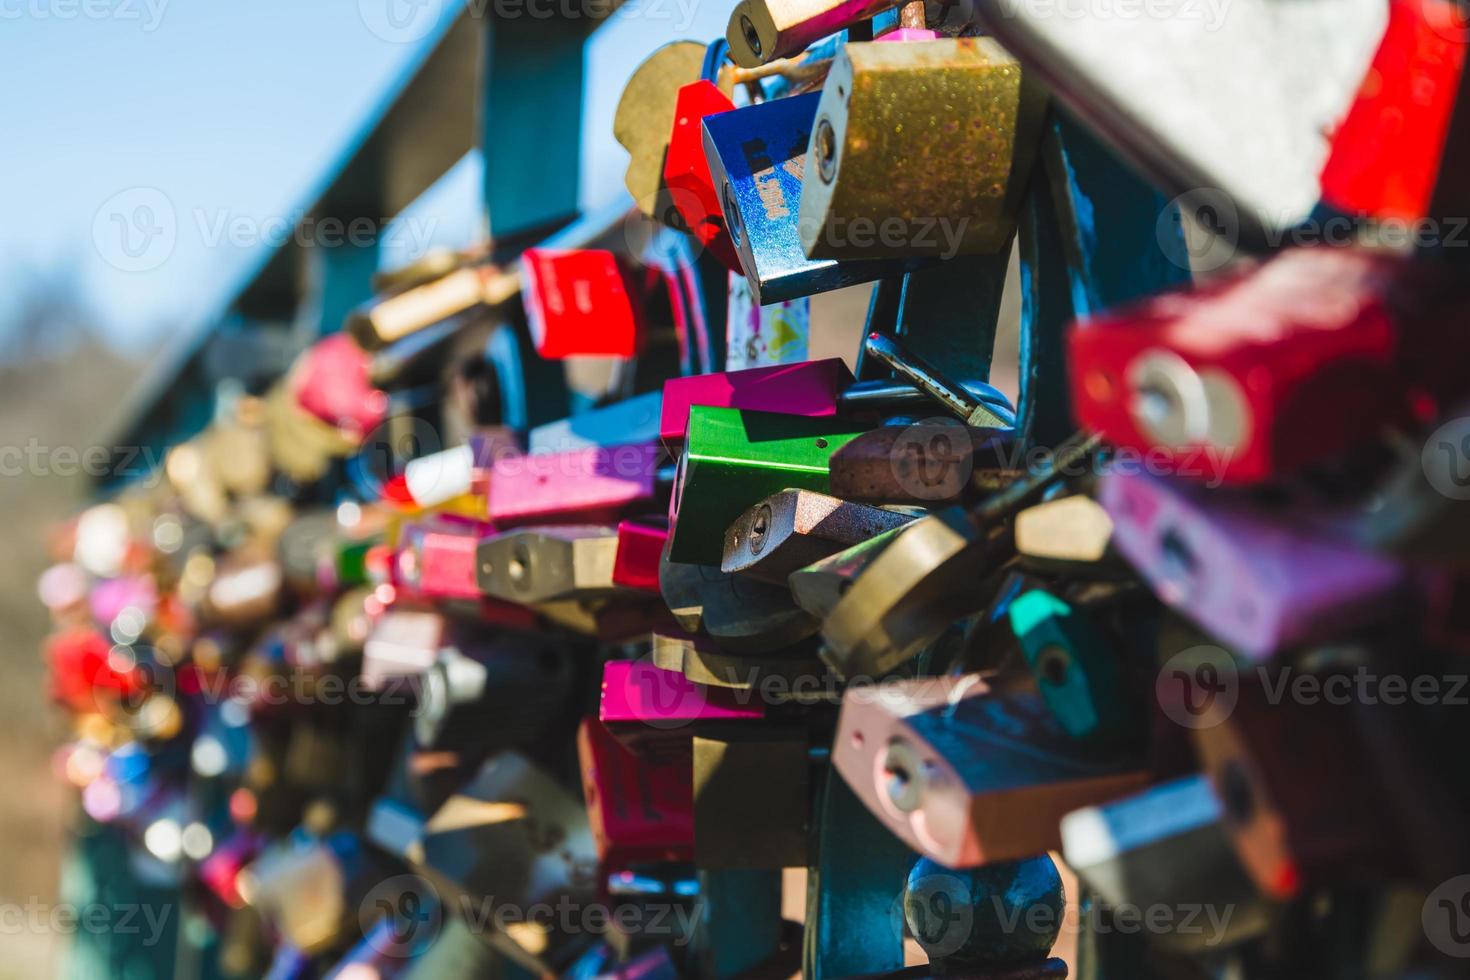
594, 484
1260, 581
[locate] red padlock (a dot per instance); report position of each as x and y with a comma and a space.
686, 172
1288, 364
640, 810
1387, 156
580, 303
84, 668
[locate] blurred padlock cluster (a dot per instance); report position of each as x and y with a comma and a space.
560, 615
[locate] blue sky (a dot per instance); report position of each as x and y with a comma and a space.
230, 111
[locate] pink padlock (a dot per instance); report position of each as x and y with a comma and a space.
331, 382
436, 557
808, 388
1258, 581
636, 694
594, 484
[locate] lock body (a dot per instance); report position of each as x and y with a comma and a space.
794, 528
549, 563
809, 388
596, 483
640, 811
734, 458
889, 173
632, 420
1077, 669
580, 303
691, 188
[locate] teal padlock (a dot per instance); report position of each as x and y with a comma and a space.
1078, 672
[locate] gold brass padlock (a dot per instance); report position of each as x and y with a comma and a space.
1069, 534
751, 799
920, 148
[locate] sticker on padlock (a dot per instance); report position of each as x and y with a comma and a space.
761, 336
760, 31
640, 811
548, 563
1167, 847
1258, 581
631, 420
1082, 676
732, 459
794, 528
966, 776
1257, 376
690, 187
757, 155
808, 388
960, 109
581, 303
1388, 153
596, 483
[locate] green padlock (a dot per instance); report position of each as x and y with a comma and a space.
1078, 672
733, 459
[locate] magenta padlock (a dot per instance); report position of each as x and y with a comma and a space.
594, 484
808, 388
1258, 580
331, 382
109, 598
646, 706
436, 557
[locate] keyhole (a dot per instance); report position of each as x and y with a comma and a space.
759, 528
826, 150
752, 36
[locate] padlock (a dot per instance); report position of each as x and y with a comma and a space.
645, 118
931, 462
1258, 581
593, 484
757, 156
220, 871
690, 186
1258, 171
1293, 785
996, 922
654, 710
489, 690
957, 108
751, 797
436, 558
632, 420
1253, 378
247, 589
1389, 151
309, 888
636, 564
1082, 675
809, 388
302, 446
84, 674
760, 31
331, 382
640, 810
510, 845
581, 303
794, 674
1069, 535
732, 459
741, 615
1167, 848
545, 564
818, 587
385, 320
404, 642
966, 776
794, 528
441, 479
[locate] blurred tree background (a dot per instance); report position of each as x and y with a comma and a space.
61, 386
